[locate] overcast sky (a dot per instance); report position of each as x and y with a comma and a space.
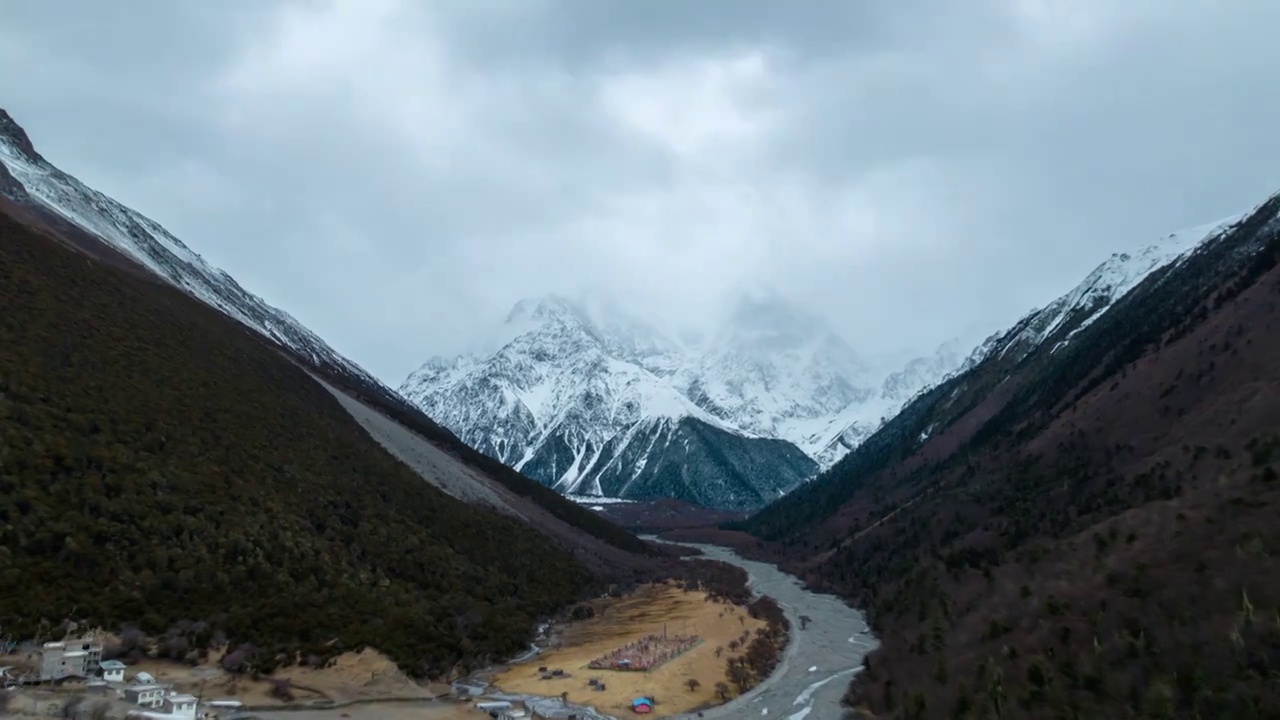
396, 173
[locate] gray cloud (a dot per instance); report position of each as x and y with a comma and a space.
397, 174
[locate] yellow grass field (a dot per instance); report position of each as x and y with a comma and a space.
623, 620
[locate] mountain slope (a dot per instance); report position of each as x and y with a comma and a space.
1081, 523
1038, 337
559, 401
1102, 288
43, 196
137, 486
589, 401
145, 241
774, 370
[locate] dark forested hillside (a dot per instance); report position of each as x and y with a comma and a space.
148, 250
160, 463
1089, 529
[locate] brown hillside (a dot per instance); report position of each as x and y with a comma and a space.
1179, 591
1088, 533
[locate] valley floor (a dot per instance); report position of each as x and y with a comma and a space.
810, 679
653, 609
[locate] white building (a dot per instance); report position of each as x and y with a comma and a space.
147, 695
180, 707
112, 670
70, 658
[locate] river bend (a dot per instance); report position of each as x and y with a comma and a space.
819, 661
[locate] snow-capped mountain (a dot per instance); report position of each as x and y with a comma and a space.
846, 430
1085, 303
578, 404
775, 370
28, 179
595, 401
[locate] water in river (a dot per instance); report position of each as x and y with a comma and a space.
819, 661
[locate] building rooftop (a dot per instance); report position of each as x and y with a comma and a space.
112, 665
143, 687
75, 654
181, 698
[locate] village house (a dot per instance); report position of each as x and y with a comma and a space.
147, 695
70, 658
180, 706
112, 670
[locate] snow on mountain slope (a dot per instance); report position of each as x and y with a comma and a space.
146, 242
776, 371
591, 400
572, 404
1073, 311
1109, 282
833, 437
773, 371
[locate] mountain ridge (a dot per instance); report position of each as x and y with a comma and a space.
739, 377
563, 392
1059, 528
558, 402
148, 243
55, 203
135, 473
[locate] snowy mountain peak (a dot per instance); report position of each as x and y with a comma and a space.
584, 395
1087, 301
582, 404
12, 134
587, 393
549, 308
923, 371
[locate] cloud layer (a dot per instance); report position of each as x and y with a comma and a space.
396, 174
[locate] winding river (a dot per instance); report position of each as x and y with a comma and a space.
819, 661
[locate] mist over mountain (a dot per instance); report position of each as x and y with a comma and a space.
588, 398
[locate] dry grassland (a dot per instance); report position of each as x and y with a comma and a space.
623, 620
